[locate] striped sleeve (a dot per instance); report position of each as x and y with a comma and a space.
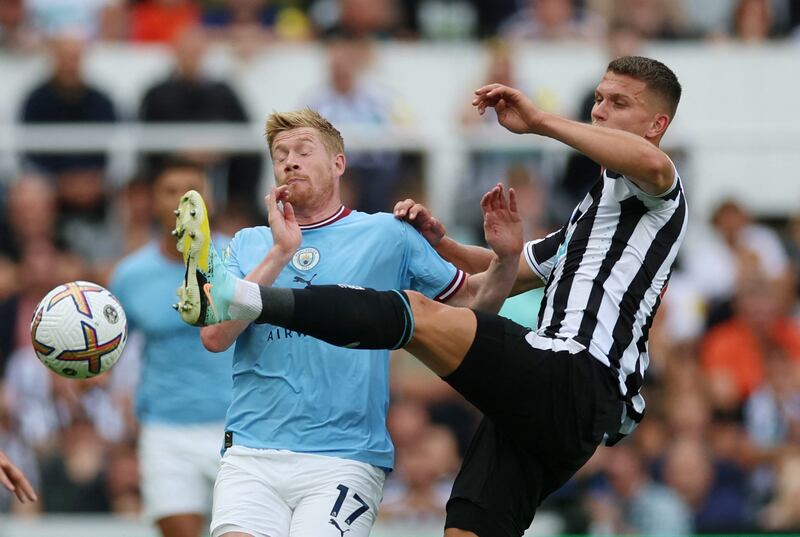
453, 287
541, 253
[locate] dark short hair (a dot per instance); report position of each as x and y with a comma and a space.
659, 78
174, 162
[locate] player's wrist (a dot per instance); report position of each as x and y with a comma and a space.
281, 254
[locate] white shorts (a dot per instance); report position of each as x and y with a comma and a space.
276, 493
178, 465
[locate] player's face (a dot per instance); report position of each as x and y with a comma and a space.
301, 161
169, 188
622, 102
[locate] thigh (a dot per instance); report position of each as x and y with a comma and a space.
442, 334
174, 472
498, 487
336, 495
496, 373
245, 501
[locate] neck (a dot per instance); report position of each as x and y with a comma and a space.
167, 247
311, 215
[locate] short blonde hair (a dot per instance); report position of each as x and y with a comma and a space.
279, 122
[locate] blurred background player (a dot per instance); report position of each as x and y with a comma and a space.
183, 389
306, 440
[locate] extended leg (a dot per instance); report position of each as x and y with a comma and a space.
437, 334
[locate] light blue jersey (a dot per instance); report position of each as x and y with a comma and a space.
181, 382
294, 392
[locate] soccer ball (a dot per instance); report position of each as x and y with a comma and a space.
79, 330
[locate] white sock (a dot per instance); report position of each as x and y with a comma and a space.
246, 303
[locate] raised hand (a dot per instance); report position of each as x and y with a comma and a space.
286, 233
421, 218
515, 111
502, 225
14, 480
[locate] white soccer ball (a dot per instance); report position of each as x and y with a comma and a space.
79, 330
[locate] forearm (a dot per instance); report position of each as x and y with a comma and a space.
470, 259
489, 289
616, 150
220, 337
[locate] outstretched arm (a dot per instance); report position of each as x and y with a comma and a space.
506, 273
623, 152
502, 227
286, 239
15, 481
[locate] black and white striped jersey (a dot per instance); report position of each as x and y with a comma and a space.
605, 272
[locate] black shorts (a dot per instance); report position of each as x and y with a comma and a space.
545, 413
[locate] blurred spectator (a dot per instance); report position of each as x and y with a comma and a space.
347, 98
73, 478
646, 507
162, 21
652, 19
753, 21
407, 421
83, 19
688, 414
356, 18
122, 480
499, 70
232, 13
246, 24
488, 166
714, 491
772, 412
711, 20
66, 97
79, 177
425, 400
733, 352
794, 19
446, 19
41, 267
16, 34
436, 19
772, 420
580, 172
553, 20
135, 214
188, 95
783, 512
737, 244
425, 473
30, 215
94, 400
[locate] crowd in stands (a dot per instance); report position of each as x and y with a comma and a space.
719, 449
252, 23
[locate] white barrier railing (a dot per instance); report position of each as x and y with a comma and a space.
756, 163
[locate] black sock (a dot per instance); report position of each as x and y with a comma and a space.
343, 316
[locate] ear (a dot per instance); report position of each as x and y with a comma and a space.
658, 126
339, 164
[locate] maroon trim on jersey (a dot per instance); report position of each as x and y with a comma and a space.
335, 217
452, 287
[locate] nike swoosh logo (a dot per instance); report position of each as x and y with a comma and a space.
207, 292
353, 345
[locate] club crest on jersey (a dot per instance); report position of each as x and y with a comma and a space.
305, 258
